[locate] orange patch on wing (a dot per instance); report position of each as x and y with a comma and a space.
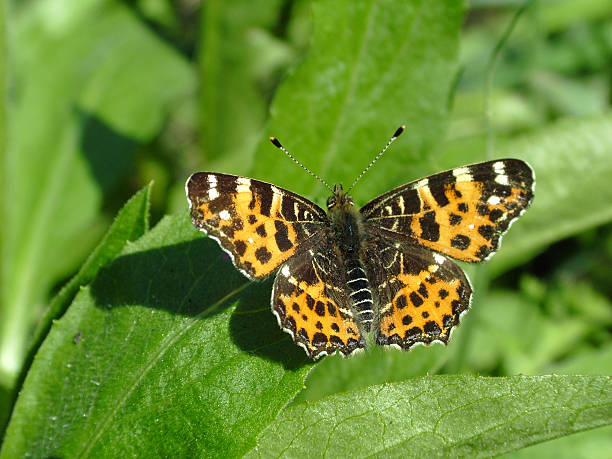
250, 235
424, 309
469, 225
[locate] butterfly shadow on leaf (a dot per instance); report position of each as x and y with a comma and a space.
196, 279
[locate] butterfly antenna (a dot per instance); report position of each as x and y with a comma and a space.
395, 136
278, 145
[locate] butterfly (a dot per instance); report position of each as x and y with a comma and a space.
385, 270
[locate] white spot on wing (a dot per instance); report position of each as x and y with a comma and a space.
502, 180
494, 200
224, 215
212, 194
421, 183
462, 174
439, 258
243, 185
498, 167
285, 271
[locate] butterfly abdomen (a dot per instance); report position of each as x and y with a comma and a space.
360, 293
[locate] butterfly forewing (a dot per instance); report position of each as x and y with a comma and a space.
461, 213
258, 224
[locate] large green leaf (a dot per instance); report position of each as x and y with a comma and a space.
170, 350
90, 83
373, 66
440, 416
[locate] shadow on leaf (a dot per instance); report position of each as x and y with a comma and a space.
196, 279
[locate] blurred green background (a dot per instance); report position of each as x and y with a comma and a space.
102, 97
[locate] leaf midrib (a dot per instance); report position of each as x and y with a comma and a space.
164, 346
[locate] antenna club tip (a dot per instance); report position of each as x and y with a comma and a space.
275, 142
400, 129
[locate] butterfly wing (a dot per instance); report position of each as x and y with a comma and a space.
461, 213
421, 294
312, 305
258, 224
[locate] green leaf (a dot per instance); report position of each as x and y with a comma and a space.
440, 416
131, 223
592, 444
372, 66
170, 350
91, 82
573, 166
233, 106
376, 365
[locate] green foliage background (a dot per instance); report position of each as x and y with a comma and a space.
125, 331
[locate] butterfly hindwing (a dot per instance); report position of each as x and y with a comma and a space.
312, 305
421, 294
461, 213
258, 224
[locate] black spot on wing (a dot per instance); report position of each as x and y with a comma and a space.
432, 328
223, 202
401, 302
282, 236
438, 192
486, 231
263, 255
416, 299
460, 242
265, 195
454, 219
430, 230
495, 214
288, 209
261, 230
240, 247
319, 340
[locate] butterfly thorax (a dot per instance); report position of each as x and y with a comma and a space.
345, 222
346, 225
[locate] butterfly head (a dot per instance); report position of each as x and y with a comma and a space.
339, 200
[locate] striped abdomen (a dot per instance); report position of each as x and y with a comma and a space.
360, 293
